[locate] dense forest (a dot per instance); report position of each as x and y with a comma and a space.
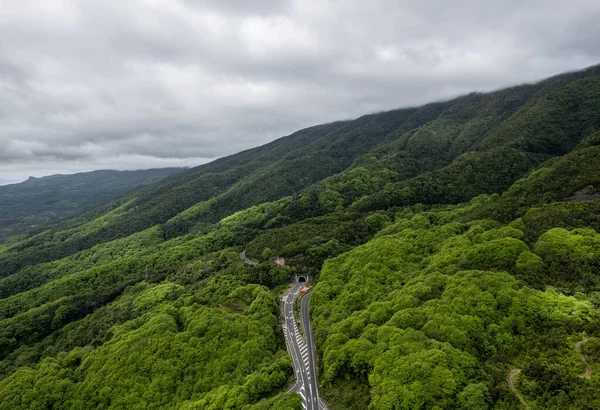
33, 204
454, 249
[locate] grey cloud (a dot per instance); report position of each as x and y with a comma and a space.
241, 6
581, 35
135, 84
12, 73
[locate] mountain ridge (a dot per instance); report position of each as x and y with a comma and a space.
44, 200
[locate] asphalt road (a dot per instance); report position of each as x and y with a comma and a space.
246, 259
302, 353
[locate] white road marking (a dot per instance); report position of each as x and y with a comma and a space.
297, 347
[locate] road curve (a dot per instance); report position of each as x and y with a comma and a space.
588, 369
511, 385
247, 259
302, 354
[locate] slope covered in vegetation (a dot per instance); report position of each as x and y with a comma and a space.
41, 201
452, 244
439, 153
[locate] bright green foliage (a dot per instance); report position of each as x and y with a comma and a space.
401, 314
474, 396
171, 350
529, 264
571, 256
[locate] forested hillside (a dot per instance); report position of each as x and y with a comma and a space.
37, 202
454, 246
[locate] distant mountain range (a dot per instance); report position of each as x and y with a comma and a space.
39, 201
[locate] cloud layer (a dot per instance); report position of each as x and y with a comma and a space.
148, 83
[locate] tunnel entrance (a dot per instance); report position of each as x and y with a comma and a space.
301, 279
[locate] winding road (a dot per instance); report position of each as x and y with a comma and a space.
511, 384
247, 259
588, 369
302, 353
586, 375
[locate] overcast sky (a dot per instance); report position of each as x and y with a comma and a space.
129, 84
